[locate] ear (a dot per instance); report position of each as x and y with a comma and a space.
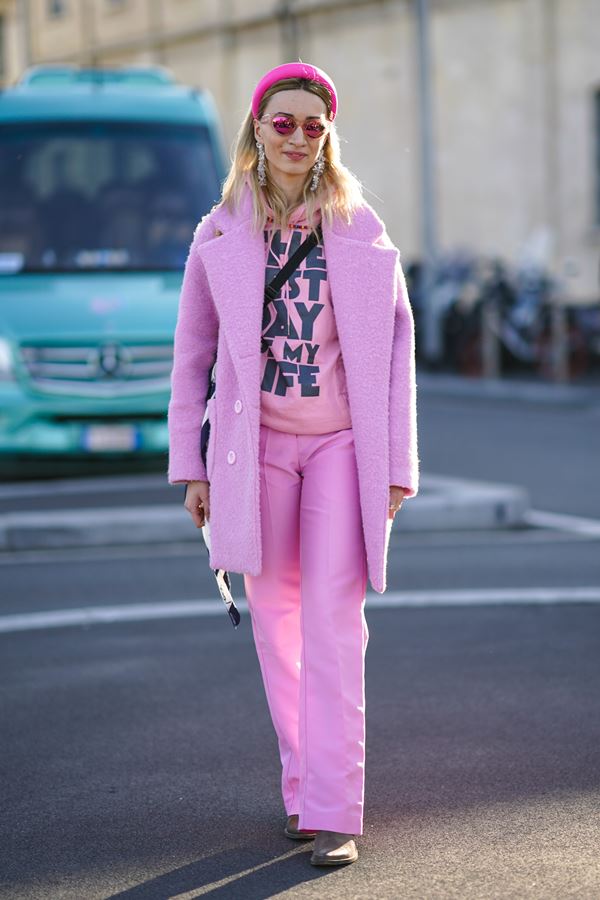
257, 133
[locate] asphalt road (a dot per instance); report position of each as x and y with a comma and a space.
138, 759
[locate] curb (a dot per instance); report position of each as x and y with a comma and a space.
443, 504
455, 504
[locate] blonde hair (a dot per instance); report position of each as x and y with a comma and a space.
339, 191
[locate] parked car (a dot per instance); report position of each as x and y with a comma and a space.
104, 174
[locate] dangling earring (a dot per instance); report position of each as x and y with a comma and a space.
262, 172
317, 171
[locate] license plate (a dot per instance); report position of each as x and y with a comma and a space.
110, 437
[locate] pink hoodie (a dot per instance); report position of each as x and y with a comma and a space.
303, 382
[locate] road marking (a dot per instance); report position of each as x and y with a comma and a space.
141, 612
483, 596
563, 522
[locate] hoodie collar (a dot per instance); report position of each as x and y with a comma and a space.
296, 218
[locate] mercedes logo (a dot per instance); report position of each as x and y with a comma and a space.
110, 361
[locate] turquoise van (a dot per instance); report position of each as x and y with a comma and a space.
104, 174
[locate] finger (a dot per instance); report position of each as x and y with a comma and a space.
197, 514
198, 517
205, 509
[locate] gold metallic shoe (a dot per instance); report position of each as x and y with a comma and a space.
334, 848
291, 830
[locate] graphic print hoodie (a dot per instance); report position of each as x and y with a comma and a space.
303, 384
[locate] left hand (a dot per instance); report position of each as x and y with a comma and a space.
396, 497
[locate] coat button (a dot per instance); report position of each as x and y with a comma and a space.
238, 406
231, 456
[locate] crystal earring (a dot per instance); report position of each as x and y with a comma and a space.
317, 171
262, 172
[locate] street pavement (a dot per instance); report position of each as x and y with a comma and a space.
140, 761
138, 757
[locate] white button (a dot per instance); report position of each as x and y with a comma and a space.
238, 406
231, 456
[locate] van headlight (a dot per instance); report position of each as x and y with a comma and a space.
7, 371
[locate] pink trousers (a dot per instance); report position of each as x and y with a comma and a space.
308, 622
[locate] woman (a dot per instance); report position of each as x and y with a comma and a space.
313, 442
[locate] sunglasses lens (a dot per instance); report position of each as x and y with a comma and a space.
283, 125
314, 129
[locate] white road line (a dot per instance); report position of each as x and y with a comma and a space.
93, 615
482, 596
577, 524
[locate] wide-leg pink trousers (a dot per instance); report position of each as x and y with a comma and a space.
308, 622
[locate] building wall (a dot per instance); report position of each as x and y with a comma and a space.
13, 35
513, 85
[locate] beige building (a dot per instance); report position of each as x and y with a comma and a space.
515, 88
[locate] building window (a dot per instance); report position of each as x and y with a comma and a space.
56, 8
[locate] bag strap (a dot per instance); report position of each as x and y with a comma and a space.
274, 286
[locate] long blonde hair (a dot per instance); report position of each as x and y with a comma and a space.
339, 192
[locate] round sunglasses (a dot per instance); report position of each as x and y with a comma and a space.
287, 125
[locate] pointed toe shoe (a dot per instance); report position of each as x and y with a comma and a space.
334, 848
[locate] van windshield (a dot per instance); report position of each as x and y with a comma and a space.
102, 195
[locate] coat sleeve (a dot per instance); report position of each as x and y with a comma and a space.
194, 351
404, 460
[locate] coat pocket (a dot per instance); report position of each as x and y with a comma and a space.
211, 416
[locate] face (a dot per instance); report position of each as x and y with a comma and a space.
291, 156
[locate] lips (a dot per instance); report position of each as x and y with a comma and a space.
295, 156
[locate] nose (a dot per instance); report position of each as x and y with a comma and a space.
296, 138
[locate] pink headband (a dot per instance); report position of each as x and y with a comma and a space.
294, 70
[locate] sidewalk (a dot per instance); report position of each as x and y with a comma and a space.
442, 504
518, 389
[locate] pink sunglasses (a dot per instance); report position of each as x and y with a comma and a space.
287, 125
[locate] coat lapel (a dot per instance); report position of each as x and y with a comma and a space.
235, 267
362, 281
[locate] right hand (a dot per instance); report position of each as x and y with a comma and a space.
198, 492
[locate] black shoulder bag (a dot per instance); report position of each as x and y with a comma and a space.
271, 293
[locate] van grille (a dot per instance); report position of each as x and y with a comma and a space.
99, 370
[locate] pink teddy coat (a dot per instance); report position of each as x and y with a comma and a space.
221, 311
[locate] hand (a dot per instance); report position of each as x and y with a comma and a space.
396, 497
197, 502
